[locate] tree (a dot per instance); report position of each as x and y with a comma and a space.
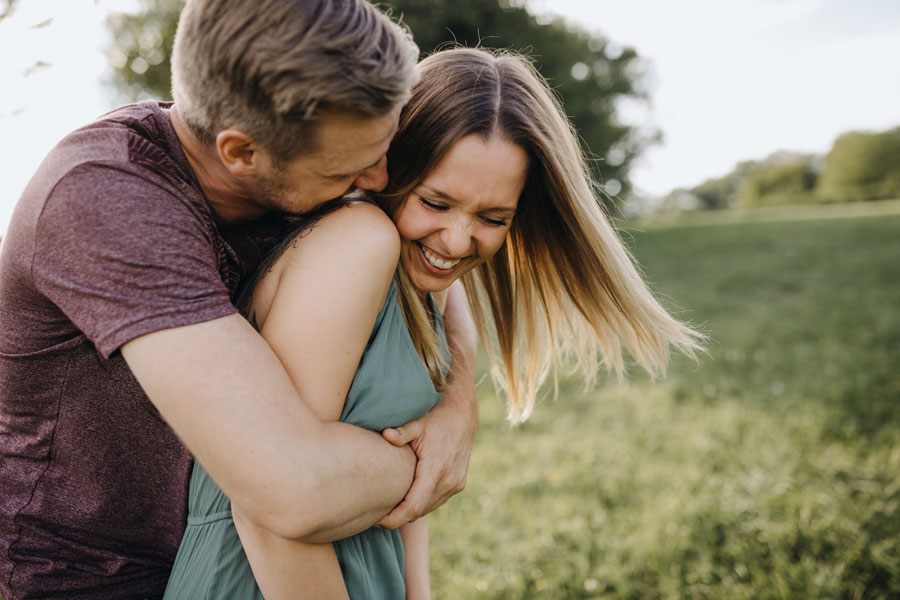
141, 49
715, 193
862, 165
724, 192
589, 73
782, 178
779, 184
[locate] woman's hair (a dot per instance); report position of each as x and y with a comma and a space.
563, 283
271, 67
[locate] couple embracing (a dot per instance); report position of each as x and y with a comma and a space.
238, 331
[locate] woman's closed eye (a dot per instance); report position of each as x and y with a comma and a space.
432, 204
495, 221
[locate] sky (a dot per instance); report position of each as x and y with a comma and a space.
732, 80
729, 80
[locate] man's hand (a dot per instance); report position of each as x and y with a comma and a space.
442, 439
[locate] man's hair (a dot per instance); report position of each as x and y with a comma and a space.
271, 68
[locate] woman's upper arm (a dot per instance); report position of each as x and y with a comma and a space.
332, 286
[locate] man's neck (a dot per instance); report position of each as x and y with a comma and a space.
227, 198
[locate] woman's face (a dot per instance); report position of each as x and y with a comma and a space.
458, 217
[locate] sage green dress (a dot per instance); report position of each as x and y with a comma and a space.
391, 387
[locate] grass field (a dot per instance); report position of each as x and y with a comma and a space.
771, 469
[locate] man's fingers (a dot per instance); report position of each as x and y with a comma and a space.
398, 517
443, 458
428, 491
400, 436
424, 496
406, 512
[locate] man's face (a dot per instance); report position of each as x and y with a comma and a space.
350, 154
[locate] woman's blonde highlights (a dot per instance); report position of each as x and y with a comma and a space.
563, 285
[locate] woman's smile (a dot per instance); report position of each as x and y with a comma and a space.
442, 265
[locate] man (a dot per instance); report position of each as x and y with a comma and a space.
116, 322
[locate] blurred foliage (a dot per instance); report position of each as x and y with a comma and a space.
6, 8
141, 49
863, 165
716, 192
768, 471
724, 192
780, 183
589, 73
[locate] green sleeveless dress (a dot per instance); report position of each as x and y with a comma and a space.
391, 387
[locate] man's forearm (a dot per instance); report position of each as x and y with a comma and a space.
287, 470
369, 477
462, 341
461, 393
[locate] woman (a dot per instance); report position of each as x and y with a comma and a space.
488, 186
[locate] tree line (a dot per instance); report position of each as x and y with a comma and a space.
861, 165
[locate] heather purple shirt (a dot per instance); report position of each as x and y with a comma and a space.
112, 239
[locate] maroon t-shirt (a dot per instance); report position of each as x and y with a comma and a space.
112, 239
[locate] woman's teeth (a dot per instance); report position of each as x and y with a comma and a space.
437, 262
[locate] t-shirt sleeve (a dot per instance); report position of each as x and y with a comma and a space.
123, 255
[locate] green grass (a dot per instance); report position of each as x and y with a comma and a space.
771, 469
785, 212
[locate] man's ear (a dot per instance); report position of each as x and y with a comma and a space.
238, 152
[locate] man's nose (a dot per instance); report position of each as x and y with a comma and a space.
375, 178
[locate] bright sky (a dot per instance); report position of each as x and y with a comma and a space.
729, 81
738, 79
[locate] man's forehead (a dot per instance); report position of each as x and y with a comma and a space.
348, 143
355, 128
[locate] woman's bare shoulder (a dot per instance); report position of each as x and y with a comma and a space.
355, 241
359, 228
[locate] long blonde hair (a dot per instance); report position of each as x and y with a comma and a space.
563, 284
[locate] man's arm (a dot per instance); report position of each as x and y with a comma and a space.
122, 255
224, 392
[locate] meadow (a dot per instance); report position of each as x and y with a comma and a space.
769, 469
